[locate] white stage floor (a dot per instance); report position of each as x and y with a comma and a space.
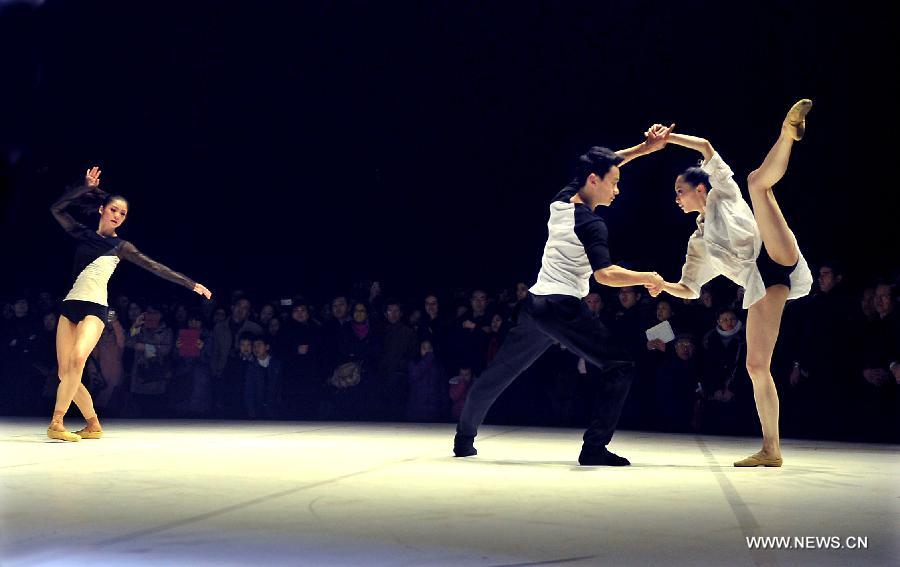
232, 493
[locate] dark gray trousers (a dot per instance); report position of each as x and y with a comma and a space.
544, 320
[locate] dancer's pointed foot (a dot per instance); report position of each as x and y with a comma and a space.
795, 121
760, 459
87, 433
62, 435
57, 429
92, 430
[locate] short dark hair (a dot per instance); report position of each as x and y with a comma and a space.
597, 160
264, 338
837, 268
247, 337
686, 337
695, 176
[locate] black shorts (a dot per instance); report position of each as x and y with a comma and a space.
771, 271
76, 310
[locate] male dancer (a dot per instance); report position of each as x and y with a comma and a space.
576, 249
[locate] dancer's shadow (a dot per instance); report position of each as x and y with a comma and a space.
521, 463
573, 465
515, 462
32, 439
698, 466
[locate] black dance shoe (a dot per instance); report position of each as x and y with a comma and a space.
601, 456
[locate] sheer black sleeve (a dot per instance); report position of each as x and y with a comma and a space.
128, 252
58, 209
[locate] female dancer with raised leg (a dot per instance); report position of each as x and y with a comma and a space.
755, 249
84, 310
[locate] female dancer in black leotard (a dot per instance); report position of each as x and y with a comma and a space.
84, 310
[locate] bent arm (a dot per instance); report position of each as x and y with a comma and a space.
617, 276
701, 145
633, 152
58, 209
655, 139
120, 335
130, 253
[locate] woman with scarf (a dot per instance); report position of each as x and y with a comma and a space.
724, 381
356, 379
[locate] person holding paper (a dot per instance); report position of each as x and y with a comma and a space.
755, 249
576, 250
662, 333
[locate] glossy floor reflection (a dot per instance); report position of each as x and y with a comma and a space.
217, 493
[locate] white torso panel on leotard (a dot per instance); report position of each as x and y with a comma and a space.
96, 256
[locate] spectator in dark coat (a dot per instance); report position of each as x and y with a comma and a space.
427, 390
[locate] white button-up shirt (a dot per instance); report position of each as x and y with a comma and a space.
727, 241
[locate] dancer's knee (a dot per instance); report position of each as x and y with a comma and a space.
785, 254
758, 369
755, 183
788, 257
77, 360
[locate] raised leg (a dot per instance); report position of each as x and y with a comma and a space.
776, 235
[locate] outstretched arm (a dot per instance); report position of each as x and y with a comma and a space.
654, 139
694, 274
617, 276
702, 145
674, 289
129, 252
73, 194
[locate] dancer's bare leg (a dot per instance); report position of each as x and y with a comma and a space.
773, 228
74, 344
764, 317
763, 323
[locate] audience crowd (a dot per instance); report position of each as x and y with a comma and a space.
365, 356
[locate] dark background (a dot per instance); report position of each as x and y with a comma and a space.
285, 147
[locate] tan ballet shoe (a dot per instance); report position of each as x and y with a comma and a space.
85, 434
759, 460
63, 435
795, 121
